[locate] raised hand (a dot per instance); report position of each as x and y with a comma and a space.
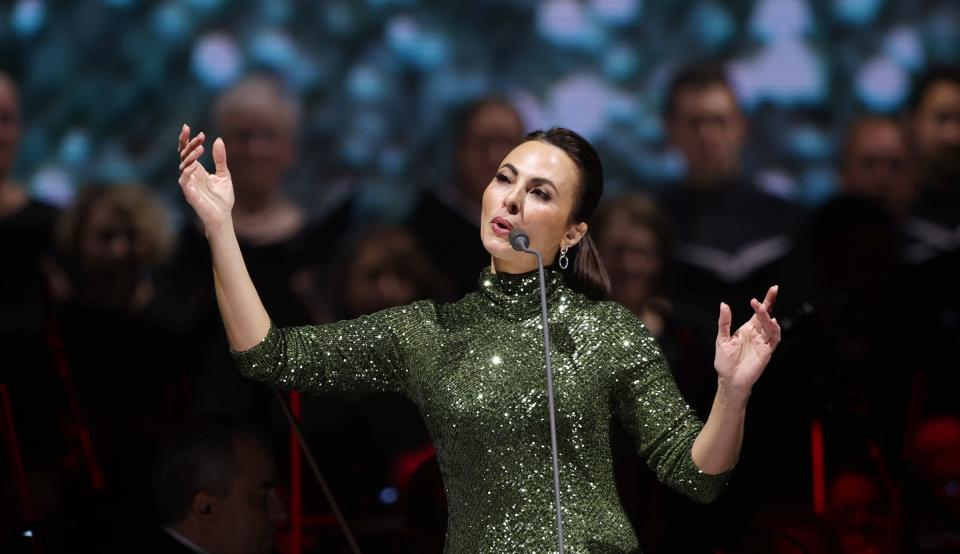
209, 194
741, 357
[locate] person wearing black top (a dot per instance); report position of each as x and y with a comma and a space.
446, 214
932, 229
729, 234
730, 238
260, 118
26, 229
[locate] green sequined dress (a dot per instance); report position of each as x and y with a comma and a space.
475, 369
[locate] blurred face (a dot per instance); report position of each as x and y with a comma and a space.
261, 150
489, 136
110, 243
631, 254
378, 278
854, 501
246, 520
535, 188
936, 453
936, 127
9, 126
708, 129
857, 512
878, 165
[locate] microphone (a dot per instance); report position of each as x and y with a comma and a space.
520, 240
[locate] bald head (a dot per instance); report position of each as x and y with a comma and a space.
260, 94
9, 124
258, 120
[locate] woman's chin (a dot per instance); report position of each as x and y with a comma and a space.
496, 246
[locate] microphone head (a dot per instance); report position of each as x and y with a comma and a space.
519, 239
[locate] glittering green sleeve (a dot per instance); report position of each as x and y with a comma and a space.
367, 354
654, 412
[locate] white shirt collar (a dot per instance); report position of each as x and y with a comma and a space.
184, 541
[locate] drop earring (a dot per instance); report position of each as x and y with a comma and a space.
564, 261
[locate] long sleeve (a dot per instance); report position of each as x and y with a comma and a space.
654, 412
367, 354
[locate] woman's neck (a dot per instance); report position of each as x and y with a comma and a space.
523, 263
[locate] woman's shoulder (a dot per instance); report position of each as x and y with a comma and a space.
420, 310
608, 311
612, 320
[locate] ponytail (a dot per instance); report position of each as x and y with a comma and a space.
586, 273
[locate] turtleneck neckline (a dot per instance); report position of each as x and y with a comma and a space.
518, 294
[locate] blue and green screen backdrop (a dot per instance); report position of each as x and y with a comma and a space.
107, 83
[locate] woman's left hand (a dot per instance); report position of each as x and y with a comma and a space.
741, 357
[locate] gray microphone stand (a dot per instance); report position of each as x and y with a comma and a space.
520, 241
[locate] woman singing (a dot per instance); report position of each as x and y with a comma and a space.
475, 367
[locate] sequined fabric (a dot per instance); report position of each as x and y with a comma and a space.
475, 368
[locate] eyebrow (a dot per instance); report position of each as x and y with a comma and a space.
544, 181
535, 180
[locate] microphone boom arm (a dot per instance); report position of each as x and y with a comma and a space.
520, 241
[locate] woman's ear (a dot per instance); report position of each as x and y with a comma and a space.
574, 234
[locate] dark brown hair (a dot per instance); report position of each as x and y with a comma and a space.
697, 76
147, 214
586, 273
927, 80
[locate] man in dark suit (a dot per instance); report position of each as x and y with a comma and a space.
215, 492
932, 231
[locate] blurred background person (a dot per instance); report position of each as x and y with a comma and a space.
215, 490
932, 486
788, 530
259, 117
111, 240
844, 366
380, 438
445, 218
932, 229
632, 234
863, 518
933, 116
633, 237
117, 325
877, 161
635, 241
26, 236
26, 229
730, 237
384, 266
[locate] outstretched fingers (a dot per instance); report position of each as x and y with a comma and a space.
220, 157
771, 297
767, 327
191, 157
183, 138
192, 145
723, 323
187, 173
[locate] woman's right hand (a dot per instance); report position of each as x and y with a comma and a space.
209, 194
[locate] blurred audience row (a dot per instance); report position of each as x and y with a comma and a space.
109, 331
